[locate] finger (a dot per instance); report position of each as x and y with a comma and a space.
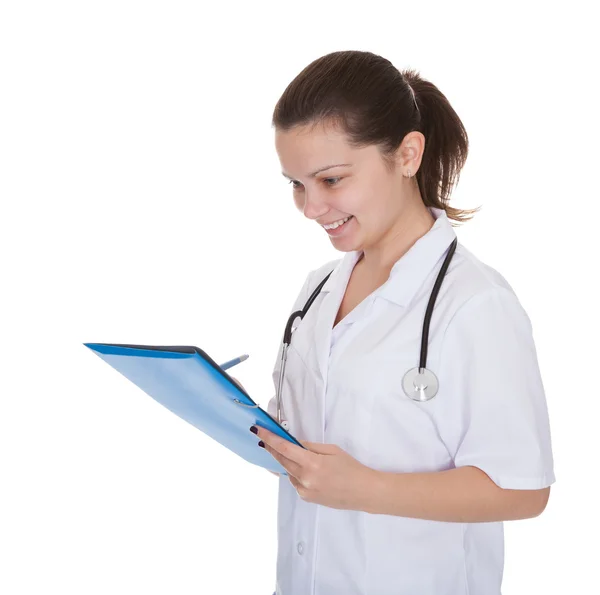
291, 452
299, 487
290, 466
320, 448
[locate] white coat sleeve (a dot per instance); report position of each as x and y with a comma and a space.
500, 421
298, 304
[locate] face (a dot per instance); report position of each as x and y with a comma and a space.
359, 186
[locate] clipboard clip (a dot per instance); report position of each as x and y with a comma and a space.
244, 404
284, 424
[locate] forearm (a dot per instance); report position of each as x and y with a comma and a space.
463, 495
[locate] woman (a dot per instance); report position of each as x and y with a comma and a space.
392, 495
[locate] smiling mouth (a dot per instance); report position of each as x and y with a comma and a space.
340, 223
340, 229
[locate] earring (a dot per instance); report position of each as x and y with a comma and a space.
408, 176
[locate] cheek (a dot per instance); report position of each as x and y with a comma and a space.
299, 202
358, 199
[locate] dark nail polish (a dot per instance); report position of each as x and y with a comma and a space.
253, 429
261, 444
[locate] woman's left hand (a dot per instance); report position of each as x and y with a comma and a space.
324, 474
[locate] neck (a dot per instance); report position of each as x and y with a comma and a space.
414, 223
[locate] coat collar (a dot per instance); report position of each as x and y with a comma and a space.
406, 277
411, 270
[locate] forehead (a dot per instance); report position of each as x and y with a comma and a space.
308, 148
304, 139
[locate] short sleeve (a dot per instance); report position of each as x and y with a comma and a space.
298, 304
496, 411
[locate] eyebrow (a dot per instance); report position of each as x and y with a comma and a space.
321, 169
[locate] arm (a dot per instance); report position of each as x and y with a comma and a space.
463, 495
492, 416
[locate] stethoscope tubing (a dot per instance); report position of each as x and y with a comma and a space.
431, 304
423, 381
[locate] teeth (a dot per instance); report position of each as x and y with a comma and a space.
336, 223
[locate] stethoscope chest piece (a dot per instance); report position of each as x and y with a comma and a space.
420, 384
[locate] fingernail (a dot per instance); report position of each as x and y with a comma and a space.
261, 444
254, 429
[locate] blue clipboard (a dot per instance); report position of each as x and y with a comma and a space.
193, 386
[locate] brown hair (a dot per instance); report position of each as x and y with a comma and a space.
372, 102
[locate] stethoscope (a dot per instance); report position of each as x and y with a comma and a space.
420, 384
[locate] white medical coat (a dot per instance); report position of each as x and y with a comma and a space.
344, 386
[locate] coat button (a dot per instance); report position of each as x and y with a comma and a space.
300, 548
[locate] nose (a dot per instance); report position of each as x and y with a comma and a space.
314, 206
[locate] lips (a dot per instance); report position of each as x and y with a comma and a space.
348, 217
340, 229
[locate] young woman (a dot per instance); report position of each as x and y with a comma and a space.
409, 468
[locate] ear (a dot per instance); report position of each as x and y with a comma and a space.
410, 153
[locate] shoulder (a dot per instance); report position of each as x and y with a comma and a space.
473, 276
476, 290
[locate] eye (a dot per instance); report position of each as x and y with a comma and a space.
335, 181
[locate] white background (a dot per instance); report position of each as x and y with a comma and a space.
142, 202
